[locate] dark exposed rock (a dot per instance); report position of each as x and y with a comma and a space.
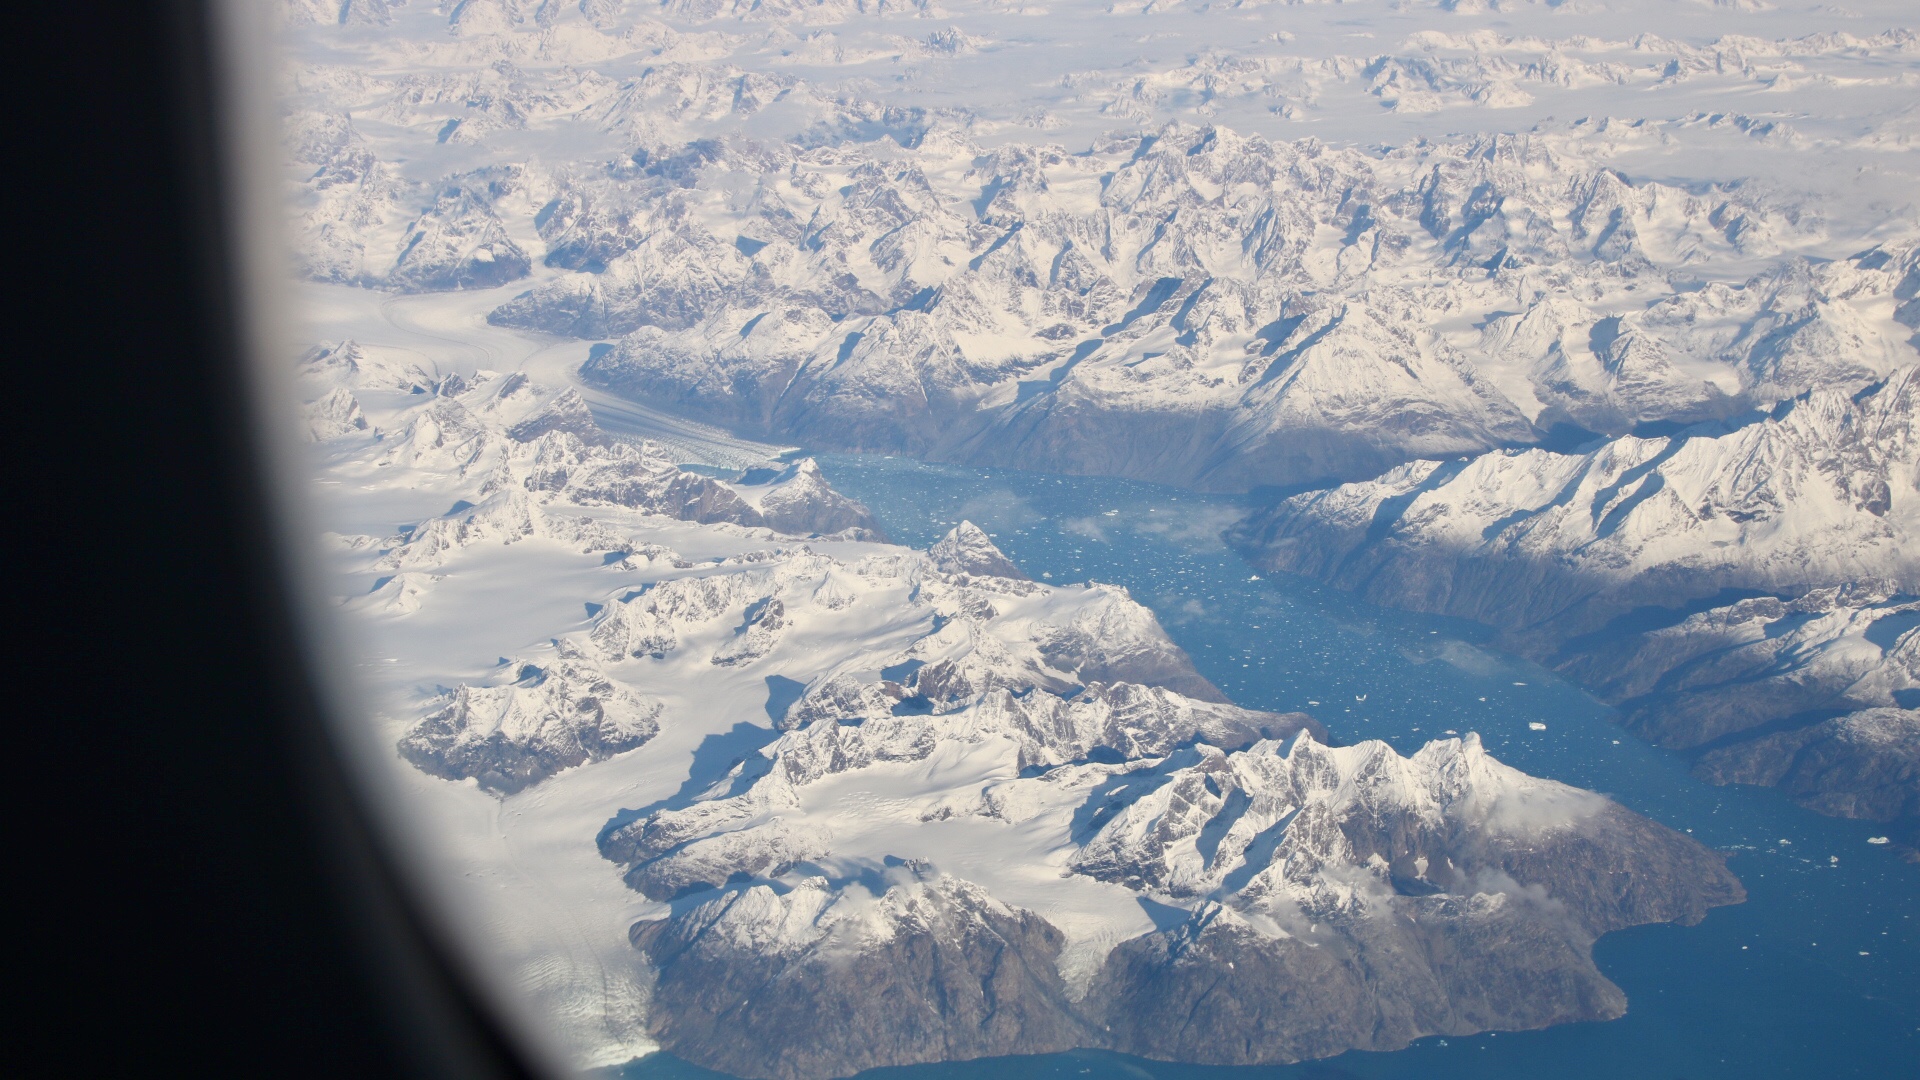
511, 737
938, 972
1866, 765
800, 502
1216, 991
966, 549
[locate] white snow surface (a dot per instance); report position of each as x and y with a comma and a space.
1823, 492
943, 717
1445, 226
1417, 229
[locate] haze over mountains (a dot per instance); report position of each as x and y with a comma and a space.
1593, 322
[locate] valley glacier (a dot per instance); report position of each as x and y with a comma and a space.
1591, 322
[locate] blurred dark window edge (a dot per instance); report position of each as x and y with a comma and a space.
205, 895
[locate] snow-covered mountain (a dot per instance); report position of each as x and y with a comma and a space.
532, 446
913, 777
512, 736
1200, 307
1318, 898
1716, 583
1608, 340
1204, 293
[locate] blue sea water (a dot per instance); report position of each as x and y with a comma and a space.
1816, 975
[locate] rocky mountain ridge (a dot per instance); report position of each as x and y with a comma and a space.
1015, 806
1278, 336
532, 445
1308, 900
1179, 294
725, 774
1717, 584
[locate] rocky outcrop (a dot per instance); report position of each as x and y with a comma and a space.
967, 550
799, 501
512, 736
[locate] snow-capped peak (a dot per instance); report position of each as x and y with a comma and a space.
966, 549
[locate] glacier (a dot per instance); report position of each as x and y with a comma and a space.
1716, 584
1017, 803
1593, 321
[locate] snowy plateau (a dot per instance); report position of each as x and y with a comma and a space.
1594, 321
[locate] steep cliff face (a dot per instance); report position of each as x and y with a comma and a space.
1755, 664
968, 550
